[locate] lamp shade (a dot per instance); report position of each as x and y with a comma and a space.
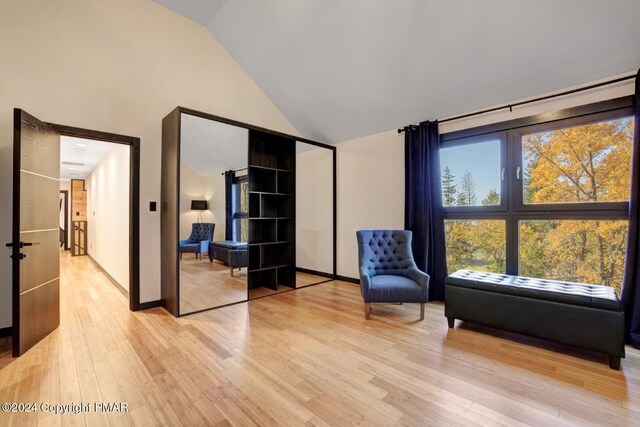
199, 205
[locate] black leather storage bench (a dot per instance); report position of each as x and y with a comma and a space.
231, 253
587, 316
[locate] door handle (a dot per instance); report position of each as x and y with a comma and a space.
20, 244
518, 173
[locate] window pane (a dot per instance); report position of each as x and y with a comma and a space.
475, 245
590, 251
241, 197
588, 163
471, 174
241, 230
244, 196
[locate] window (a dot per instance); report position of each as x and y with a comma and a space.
548, 200
588, 163
471, 173
240, 211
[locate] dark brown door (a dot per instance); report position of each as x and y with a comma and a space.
35, 241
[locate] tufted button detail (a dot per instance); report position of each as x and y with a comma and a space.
581, 294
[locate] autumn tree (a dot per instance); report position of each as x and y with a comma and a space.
582, 164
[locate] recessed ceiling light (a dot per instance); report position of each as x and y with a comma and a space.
74, 174
81, 145
71, 168
76, 158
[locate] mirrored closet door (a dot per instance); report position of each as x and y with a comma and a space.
212, 240
246, 212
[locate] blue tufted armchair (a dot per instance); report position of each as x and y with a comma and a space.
388, 273
198, 241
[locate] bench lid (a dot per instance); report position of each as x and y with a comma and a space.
229, 244
596, 296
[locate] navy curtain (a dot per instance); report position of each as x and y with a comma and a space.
423, 203
229, 177
631, 281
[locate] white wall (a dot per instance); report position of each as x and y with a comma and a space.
371, 171
314, 210
196, 187
108, 214
370, 191
118, 66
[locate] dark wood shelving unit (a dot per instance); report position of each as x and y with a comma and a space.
271, 211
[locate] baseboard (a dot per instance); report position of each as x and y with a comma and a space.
314, 272
348, 279
150, 304
6, 332
111, 279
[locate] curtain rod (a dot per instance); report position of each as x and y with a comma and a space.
530, 101
236, 170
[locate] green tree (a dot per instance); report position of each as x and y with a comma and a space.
492, 199
449, 189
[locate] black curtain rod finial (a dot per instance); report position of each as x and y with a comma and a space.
411, 127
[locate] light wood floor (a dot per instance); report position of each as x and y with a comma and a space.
304, 358
205, 284
302, 280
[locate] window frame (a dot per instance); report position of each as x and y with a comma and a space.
235, 215
612, 208
512, 190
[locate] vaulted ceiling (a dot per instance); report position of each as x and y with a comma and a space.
340, 69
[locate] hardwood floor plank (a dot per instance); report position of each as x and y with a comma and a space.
304, 358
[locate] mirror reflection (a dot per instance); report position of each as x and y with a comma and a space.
314, 214
213, 216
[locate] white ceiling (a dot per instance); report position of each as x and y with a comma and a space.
340, 69
212, 147
83, 154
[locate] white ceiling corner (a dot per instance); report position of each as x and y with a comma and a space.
341, 69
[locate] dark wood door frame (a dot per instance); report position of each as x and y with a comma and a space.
134, 199
66, 218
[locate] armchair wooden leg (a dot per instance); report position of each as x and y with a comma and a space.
367, 310
231, 271
422, 311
